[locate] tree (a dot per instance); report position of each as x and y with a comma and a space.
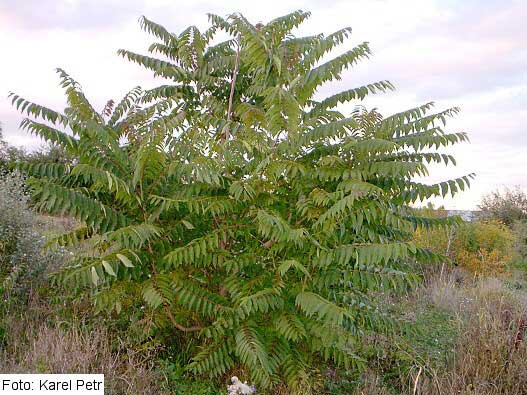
8, 154
507, 207
233, 212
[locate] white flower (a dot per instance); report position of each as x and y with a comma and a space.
239, 388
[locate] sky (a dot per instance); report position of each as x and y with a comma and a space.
470, 54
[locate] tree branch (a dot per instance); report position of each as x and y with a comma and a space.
179, 326
166, 307
233, 83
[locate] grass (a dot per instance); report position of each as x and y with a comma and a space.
467, 339
36, 341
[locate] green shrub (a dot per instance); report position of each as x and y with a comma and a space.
235, 217
176, 382
23, 261
436, 239
483, 247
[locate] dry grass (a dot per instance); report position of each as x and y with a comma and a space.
490, 356
33, 345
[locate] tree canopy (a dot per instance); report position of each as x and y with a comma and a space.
509, 206
232, 212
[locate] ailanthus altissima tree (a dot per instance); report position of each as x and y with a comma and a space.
233, 209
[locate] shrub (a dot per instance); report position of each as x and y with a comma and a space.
483, 247
436, 239
510, 208
240, 220
519, 230
23, 261
507, 207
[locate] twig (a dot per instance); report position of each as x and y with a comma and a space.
179, 326
167, 308
417, 379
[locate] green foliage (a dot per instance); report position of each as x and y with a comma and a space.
510, 207
22, 258
394, 361
50, 155
233, 212
488, 235
176, 382
436, 239
483, 247
8, 154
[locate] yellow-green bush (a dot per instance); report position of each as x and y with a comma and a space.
438, 239
483, 247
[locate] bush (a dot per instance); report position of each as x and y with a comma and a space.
23, 261
436, 239
241, 221
483, 247
519, 230
507, 207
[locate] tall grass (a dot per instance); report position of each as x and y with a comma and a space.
35, 341
490, 353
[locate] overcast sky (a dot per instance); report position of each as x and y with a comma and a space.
466, 53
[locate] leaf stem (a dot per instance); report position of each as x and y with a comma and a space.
233, 83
